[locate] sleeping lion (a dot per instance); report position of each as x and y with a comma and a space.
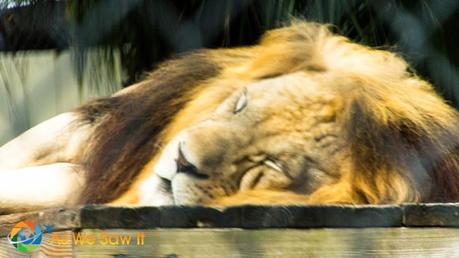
304, 117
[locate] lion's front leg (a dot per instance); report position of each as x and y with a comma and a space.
31, 188
58, 139
39, 168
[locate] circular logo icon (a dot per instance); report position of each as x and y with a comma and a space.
25, 236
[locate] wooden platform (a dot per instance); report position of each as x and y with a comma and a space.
429, 230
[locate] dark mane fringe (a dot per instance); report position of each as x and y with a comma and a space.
127, 135
446, 178
401, 160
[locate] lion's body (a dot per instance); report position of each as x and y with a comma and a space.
304, 117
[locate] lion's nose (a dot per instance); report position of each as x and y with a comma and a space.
185, 166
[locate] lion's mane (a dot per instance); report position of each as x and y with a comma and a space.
403, 138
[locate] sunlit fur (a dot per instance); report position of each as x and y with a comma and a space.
394, 139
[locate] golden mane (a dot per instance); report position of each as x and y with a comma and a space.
402, 137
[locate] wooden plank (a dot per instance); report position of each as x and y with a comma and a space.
202, 243
195, 217
431, 215
409, 230
308, 216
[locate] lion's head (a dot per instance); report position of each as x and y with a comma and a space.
306, 116
280, 133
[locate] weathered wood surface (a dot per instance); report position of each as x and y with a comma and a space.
100, 216
202, 243
412, 230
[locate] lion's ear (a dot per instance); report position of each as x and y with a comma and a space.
403, 142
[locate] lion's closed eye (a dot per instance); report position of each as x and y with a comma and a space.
273, 164
267, 175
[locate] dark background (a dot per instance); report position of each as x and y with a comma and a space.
147, 32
